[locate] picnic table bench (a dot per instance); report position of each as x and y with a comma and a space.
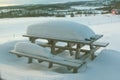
73, 64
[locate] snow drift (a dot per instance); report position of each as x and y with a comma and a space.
30, 48
34, 49
60, 29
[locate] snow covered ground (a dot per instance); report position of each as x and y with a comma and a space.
105, 67
83, 8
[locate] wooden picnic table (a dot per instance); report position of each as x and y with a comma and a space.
94, 46
72, 45
75, 36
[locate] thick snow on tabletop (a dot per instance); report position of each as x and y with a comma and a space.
60, 29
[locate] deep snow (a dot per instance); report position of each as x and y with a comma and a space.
61, 29
105, 67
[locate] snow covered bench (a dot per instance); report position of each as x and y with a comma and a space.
33, 51
65, 31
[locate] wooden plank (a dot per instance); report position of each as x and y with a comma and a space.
77, 55
97, 37
50, 65
63, 47
18, 56
55, 61
100, 44
53, 47
29, 60
88, 54
45, 45
62, 40
40, 61
75, 70
70, 46
32, 39
92, 52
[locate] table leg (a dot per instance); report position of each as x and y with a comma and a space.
77, 55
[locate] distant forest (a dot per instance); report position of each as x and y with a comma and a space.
57, 10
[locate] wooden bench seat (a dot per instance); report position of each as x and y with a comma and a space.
74, 64
100, 44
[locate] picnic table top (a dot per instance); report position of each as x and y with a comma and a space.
69, 40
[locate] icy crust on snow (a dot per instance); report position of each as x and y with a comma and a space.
30, 48
60, 29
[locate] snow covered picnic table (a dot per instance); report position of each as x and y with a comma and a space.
72, 33
76, 36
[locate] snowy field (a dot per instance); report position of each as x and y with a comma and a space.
83, 8
105, 67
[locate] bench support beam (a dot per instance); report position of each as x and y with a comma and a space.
32, 39
50, 65
40, 61
75, 70
77, 55
29, 60
70, 46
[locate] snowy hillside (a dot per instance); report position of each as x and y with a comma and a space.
105, 67
36, 1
